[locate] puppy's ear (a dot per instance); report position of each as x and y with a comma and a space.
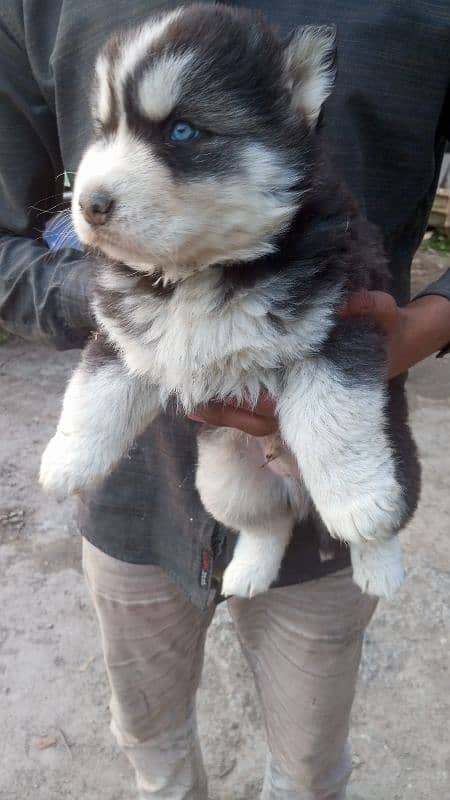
310, 63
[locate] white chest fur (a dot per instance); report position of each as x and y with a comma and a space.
198, 347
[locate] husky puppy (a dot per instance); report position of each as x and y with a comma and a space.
228, 248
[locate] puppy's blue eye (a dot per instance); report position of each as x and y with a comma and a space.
183, 132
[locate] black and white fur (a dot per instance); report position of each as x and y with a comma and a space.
227, 258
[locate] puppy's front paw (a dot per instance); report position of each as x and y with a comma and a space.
377, 567
67, 465
366, 516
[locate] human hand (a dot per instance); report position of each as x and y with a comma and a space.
258, 420
413, 333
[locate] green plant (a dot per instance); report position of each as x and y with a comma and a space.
438, 242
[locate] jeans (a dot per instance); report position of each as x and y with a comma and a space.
303, 644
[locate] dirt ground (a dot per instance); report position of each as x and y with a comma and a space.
52, 682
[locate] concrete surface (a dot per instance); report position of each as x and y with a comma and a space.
52, 684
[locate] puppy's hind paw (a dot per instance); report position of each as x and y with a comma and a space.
246, 579
377, 566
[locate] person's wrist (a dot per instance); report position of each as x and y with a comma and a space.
423, 329
432, 314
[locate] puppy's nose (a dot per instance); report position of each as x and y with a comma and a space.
96, 206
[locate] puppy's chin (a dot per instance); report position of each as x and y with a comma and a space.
105, 242
125, 255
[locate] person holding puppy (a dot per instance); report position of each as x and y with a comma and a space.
153, 558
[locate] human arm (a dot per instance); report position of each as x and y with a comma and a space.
43, 294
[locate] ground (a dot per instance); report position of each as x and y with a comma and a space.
55, 743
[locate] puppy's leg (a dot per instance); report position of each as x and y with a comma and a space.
333, 416
104, 409
257, 557
241, 493
369, 560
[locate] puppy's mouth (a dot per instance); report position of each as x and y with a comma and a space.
109, 241
127, 254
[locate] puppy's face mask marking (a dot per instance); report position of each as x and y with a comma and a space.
203, 132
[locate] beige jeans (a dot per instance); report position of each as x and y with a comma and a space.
303, 644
